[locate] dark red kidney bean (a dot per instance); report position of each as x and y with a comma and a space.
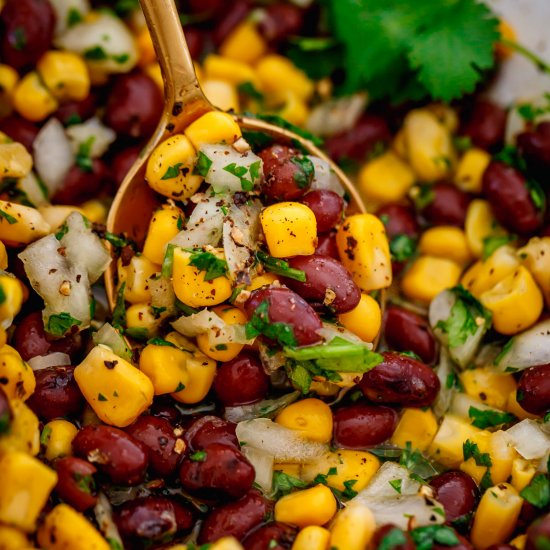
208, 430
162, 408
81, 185
75, 482
26, 27
399, 219
327, 283
506, 189
5, 412
195, 40
285, 306
231, 15
538, 534
73, 112
241, 380
534, 147
19, 129
389, 530
272, 536
326, 246
206, 7
357, 143
285, 178
485, 125
31, 340
448, 207
153, 518
123, 458
279, 21
501, 546
360, 425
534, 389
457, 492
407, 331
135, 106
327, 206
463, 544
165, 448
236, 518
123, 161
217, 471
400, 380
527, 515
56, 394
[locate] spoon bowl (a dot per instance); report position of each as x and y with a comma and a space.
184, 102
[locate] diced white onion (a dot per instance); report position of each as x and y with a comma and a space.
94, 131
329, 331
36, 194
336, 115
528, 438
263, 466
53, 155
380, 487
63, 10
461, 403
162, 293
324, 177
267, 408
55, 359
109, 336
104, 517
286, 445
444, 397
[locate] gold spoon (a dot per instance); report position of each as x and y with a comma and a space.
184, 102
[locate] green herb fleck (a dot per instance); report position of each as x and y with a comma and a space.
260, 324
101, 397
304, 175
396, 484
119, 311
402, 248
95, 53
59, 324
172, 171
425, 537
394, 538
73, 17
493, 242
10, 219
83, 159
45, 435
537, 492
505, 349
280, 267
19, 38
488, 419
208, 262
248, 89
284, 484
199, 456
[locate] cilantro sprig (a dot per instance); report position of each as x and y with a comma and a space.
280, 267
488, 418
259, 323
213, 266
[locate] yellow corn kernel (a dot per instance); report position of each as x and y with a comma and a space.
352, 528
399, 145
417, 427
522, 473
146, 50
483, 276
117, 391
470, 170
357, 466
311, 537
190, 284
231, 316
290, 229
535, 256
294, 109
57, 436
385, 179
488, 386
447, 444
265, 279
24, 433
21, 224
519, 541
64, 528
516, 409
15, 160
315, 506
222, 68
12, 539
18, 380
8, 81
65, 74
201, 371
288, 468
364, 320
166, 368
480, 223
95, 211
496, 516
154, 71
165, 224
32, 100
446, 115
428, 276
56, 214
136, 276
3, 256
516, 302
142, 323
226, 543
221, 94
26, 486
244, 43
213, 127
445, 242
175, 155
506, 32
365, 252
12, 292
278, 76
429, 145
311, 417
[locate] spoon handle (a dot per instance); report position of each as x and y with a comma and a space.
181, 87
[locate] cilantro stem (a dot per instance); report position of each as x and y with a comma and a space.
527, 53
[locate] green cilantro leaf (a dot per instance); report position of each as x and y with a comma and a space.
73, 17
323, 478
114, 544
394, 538
280, 267
45, 435
180, 387
19, 38
425, 537
417, 464
125, 7
284, 484
121, 58
277, 120
304, 175
348, 491
5, 421
396, 484
59, 324
118, 241
202, 166
537, 492
260, 324
137, 333
85, 483
83, 159
317, 56
252, 171
493, 242
10, 219
208, 262
160, 342
424, 196
505, 349
168, 262
462, 143
248, 89
488, 419
95, 53
301, 378
199, 456
101, 397
537, 194
119, 311
402, 248
172, 171
471, 450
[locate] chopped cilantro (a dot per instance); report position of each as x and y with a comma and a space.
95, 53
419, 466
277, 120
125, 7
284, 484
471, 450
424, 196
5, 421
394, 538
537, 492
537, 194
137, 333
248, 89
323, 478
260, 324
304, 175
199, 456
2, 294
348, 491
85, 483
411, 354
462, 143
202, 165
121, 58
59, 324
301, 378
396, 484
493, 242
101, 397
19, 38
160, 342
208, 262
118, 241
247, 183
425, 537
45, 435
10, 219
467, 315
73, 17
73, 119
172, 171
318, 57
181, 387
119, 311
114, 544
168, 262
505, 349
488, 419
402, 248
83, 159
280, 267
